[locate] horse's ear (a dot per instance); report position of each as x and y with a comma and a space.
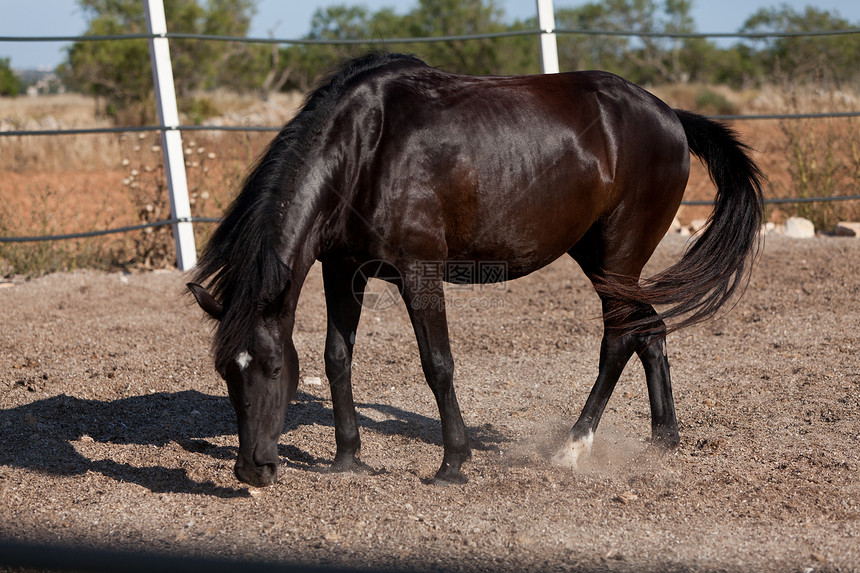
277, 304
206, 301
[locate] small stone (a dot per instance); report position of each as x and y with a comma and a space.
799, 228
332, 537
843, 229
312, 380
697, 225
625, 497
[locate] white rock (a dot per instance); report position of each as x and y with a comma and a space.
799, 228
697, 225
847, 229
312, 380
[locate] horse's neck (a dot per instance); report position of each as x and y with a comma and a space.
300, 240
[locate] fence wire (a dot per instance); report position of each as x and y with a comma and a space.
126, 229
271, 128
383, 41
424, 39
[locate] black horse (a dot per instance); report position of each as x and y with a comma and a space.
395, 162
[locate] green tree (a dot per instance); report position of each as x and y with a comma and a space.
10, 83
823, 59
306, 63
302, 65
586, 51
454, 18
643, 59
119, 71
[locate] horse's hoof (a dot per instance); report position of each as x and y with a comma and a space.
449, 476
668, 440
350, 465
573, 451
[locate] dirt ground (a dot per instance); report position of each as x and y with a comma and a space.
117, 432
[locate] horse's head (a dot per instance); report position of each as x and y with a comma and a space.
261, 375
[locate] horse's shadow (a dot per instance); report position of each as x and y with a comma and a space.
40, 435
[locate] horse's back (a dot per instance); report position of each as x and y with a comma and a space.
508, 168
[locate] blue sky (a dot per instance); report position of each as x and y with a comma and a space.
291, 19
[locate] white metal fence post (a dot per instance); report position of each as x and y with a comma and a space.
548, 44
171, 139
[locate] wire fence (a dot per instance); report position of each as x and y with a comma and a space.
425, 39
386, 41
270, 128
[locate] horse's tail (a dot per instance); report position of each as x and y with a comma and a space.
718, 264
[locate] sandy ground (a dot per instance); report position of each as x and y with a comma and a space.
117, 433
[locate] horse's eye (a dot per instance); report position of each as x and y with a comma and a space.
276, 373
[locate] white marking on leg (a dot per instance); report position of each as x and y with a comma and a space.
573, 451
243, 359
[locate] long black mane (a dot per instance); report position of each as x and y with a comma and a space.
240, 262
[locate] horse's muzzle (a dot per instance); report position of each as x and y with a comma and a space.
259, 469
256, 475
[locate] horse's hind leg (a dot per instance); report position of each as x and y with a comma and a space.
652, 352
344, 289
618, 346
615, 351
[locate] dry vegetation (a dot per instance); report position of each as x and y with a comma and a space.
78, 183
800, 157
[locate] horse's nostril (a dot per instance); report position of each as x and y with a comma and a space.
270, 471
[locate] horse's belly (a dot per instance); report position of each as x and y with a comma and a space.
524, 239
514, 257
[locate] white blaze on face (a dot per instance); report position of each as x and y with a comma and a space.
243, 359
573, 451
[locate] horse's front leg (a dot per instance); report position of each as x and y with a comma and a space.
426, 308
344, 290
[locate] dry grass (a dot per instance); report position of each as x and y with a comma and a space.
801, 158
41, 153
814, 157
79, 183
